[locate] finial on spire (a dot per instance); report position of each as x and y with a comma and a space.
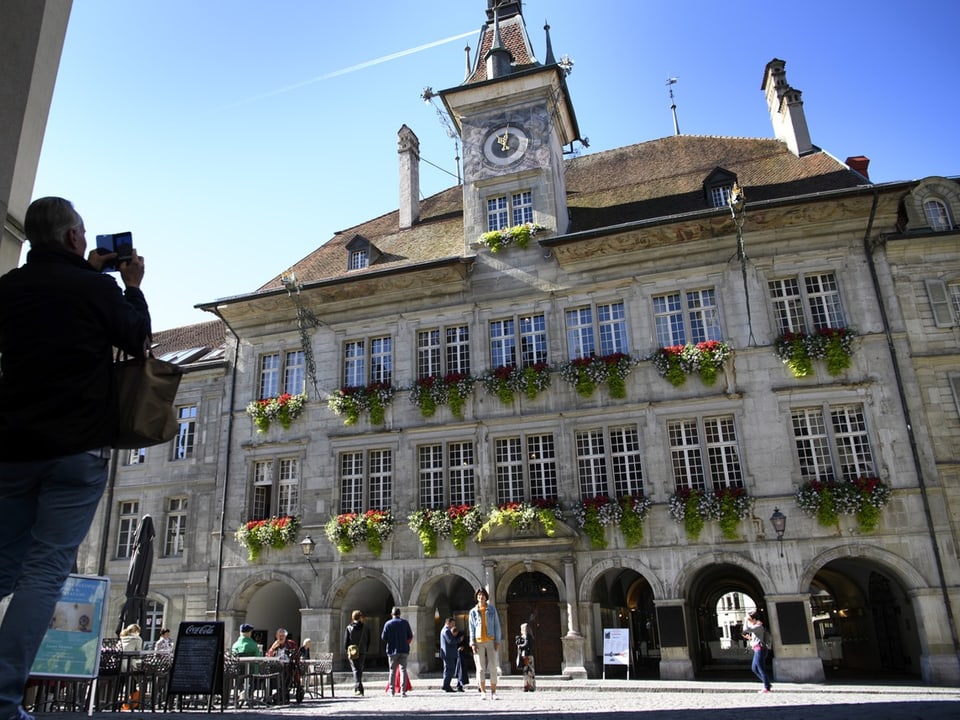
549, 59
671, 81
467, 73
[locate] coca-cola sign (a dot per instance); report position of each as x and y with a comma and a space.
200, 629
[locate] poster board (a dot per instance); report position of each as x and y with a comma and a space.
71, 645
197, 660
616, 648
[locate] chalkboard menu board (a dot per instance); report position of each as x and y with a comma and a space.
197, 659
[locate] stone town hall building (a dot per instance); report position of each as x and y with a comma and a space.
678, 241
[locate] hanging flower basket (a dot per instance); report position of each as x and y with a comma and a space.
634, 509
522, 517
457, 522
832, 345
276, 532
588, 372
594, 514
348, 530
351, 400
284, 409
735, 505
451, 389
518, 235
507, 380
864, 497
676, 362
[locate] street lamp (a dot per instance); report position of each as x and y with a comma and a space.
306, 546
779, 522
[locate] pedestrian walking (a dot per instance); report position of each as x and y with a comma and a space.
396, 637
525, 657
356, 642
485, 637
757, 638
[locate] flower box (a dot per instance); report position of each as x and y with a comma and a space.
432, 391
863, 497
507, 380
587, 372
832, 345
275, 532
284, 409
594, 515
348, 530
457, 522
676, 362
351, 400
695, 507
523, 517
518, 235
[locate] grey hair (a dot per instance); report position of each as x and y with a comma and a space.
48, 220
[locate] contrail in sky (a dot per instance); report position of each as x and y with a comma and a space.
352, 68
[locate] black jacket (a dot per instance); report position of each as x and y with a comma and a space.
357, 634
59, 322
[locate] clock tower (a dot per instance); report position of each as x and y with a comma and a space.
515, 117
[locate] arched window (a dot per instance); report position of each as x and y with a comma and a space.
938, 216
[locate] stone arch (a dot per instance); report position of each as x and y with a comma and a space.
519, 568
418, 593
906, 572
240, 597
692, 569
598, 569
334, 596
931, 188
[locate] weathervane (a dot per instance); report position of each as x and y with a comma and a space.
671, 81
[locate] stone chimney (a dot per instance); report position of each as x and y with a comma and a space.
786, 109
409, 151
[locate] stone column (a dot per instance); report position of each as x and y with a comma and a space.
573, 641
938, 660
795, 654
672, 620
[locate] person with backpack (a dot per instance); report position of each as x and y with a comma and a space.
356, 642
756, 636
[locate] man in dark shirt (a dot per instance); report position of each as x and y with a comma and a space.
60, 319
396, 637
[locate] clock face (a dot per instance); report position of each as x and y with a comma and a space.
505, 145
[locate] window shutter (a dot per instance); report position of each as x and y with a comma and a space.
955, 386
940, 303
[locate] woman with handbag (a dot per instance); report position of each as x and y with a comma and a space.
525, 658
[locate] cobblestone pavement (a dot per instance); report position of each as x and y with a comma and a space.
617, 700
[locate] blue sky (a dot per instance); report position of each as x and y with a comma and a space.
233, 137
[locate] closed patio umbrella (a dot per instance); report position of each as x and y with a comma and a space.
138, 577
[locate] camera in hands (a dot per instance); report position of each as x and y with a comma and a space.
119, 243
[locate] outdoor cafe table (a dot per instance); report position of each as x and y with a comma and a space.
274, 664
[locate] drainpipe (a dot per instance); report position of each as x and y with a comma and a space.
107, 514
226, 466
868, 248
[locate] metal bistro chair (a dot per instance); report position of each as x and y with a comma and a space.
156, 672
315, 670
108, 679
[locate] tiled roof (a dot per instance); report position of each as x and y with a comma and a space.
638, 182
206, 340
513, 37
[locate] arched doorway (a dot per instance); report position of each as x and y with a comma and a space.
533, 598
720, 596
863, 622
623, 598
273, 605
374, 600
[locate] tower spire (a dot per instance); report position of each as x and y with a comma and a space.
549, 60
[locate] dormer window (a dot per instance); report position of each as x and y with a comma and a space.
718, 187
938, 215
359, 259
720, 195
361, 253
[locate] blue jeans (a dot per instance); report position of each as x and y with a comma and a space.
759, 666
46, 508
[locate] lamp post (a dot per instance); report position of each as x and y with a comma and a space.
779, 522
306, 546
